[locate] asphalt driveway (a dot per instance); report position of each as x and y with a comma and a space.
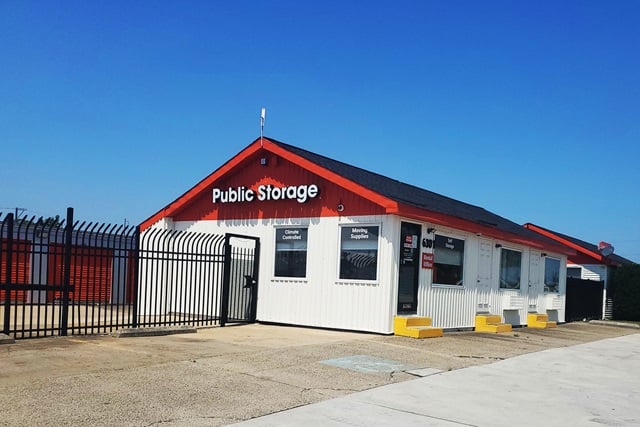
220, 376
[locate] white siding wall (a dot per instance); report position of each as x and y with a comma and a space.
320, 299
592, 271
455, 307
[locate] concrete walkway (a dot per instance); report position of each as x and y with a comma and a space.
592, 384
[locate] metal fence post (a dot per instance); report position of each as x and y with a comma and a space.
256, 278
66, 273
226, 281
136, 280
7, 281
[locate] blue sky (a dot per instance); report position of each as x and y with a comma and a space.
528, 109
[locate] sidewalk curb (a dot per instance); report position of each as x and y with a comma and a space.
614, 323
6, 339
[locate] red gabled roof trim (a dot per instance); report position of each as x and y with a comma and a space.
190, 194
388, 204
598, 257
470, 226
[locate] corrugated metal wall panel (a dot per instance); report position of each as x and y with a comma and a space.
594, 272
91, 272
450, 307
320, 299
453, 307
20, 266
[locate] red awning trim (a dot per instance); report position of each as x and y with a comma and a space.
596, 256
473, 227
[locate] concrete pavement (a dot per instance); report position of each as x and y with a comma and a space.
592, 384
220, 376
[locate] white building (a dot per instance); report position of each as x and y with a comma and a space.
345, 248
589, 262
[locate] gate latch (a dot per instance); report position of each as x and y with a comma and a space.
250, 281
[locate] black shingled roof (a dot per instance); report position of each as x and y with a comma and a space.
415, 196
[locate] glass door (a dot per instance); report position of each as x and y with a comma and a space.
409, 268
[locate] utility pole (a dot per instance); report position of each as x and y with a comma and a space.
21, 210
18, 211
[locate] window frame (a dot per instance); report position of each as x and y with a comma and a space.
504, 288
275, 252
573, 269
377, 251
462, 261
544, 280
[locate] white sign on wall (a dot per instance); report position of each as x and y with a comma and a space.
300, 193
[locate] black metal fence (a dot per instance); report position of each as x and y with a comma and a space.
584, 299
65, 277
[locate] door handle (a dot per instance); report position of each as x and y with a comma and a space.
249, 281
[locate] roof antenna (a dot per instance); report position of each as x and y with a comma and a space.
263, 115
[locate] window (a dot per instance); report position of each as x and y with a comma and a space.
359, 252
291, 252
448, 259
551, 275
510, 269
575, 272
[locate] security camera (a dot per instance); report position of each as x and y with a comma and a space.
340, 207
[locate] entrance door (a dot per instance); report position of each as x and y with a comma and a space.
408, 268
534, 289
240, 284
485, 266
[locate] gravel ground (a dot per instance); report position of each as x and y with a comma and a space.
223, 375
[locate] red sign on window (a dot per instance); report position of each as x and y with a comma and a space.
427, 261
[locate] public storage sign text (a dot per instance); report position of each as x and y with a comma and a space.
300, 193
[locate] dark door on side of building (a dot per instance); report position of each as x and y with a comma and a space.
409, 267
584, 299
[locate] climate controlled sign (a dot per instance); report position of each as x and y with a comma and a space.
300, 193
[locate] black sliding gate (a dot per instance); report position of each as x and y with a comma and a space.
60, 277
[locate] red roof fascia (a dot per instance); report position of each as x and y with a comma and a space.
185, 198
265, 144
473, 227
598, 257
581, 259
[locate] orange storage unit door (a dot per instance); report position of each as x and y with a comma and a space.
91, 272
20, 267
131, 276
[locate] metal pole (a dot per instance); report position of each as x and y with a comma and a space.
224, 309
66, 273
256, 279
7, 292
136, 280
